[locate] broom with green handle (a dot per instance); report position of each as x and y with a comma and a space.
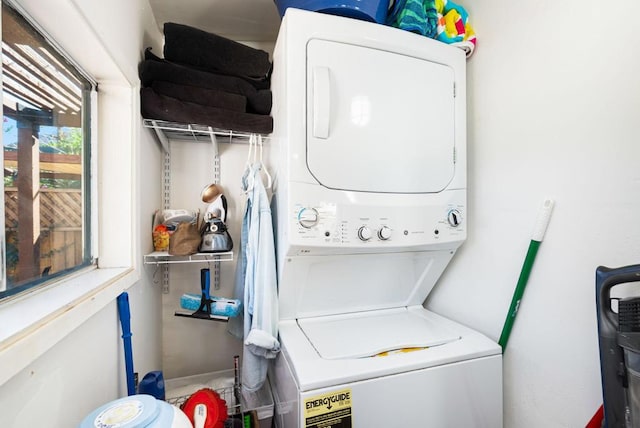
538, 234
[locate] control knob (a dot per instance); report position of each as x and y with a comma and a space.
454, 218
364, 233
384, 233
308, 217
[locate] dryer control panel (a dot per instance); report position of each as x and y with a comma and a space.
404, 221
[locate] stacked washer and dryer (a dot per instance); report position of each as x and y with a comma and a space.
370, 206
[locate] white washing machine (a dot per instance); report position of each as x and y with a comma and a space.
370, 199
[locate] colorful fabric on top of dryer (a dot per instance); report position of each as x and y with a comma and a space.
442, 20
454, 27
417, 16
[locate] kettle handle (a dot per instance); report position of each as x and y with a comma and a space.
224, 207
612, 355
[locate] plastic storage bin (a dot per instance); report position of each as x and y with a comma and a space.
366, 10
259, 403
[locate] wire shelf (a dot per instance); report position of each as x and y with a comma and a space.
190, 131
163, 257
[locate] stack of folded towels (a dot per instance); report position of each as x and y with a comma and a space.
207, 79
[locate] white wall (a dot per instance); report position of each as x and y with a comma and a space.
86, 369
195, 346
554, 112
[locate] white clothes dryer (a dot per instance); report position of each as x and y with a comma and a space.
370, 205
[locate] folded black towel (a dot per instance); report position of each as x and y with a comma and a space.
150, 55
258, 101
206, 97
156, 106
189, 45
258, 83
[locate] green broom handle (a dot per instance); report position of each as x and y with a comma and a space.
518, 293
538, 235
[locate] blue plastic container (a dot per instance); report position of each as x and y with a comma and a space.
152, 384
366, 10
136, 411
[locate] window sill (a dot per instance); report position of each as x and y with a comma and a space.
32, 324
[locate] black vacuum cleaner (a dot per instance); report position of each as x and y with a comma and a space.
619, 337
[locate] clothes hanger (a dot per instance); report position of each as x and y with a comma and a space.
247, 164
263, 166
250, 176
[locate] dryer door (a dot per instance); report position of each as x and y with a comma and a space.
378, 121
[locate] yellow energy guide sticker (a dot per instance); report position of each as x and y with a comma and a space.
331, 410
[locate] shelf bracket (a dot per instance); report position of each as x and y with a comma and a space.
161, 137
165, 279
166, 181
216, 180
214, 141
166, 201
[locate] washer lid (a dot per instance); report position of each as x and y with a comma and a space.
367, 334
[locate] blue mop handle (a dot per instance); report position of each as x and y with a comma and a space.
125, 322
205, 280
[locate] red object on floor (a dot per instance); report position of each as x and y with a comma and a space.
216, 407
596, 420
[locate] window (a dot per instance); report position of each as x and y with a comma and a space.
33, 323
46, 152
